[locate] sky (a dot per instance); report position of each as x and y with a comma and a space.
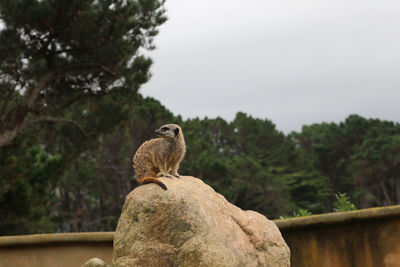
292, 62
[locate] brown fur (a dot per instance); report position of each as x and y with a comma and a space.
160, 156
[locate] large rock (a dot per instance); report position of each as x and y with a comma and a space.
192, 225
95, 262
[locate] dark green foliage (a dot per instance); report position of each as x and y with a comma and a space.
301, 212
309, 190
26, 190
358, 156
343, 203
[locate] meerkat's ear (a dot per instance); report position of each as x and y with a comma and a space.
176, 131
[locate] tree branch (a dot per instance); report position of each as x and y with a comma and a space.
40, 85
7, 99
82, 96
19, 123
51, 119
109, 71
84, 66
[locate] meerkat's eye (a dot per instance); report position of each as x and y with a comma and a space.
176, 131
164, 129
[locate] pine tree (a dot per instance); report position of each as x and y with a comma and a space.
56, 54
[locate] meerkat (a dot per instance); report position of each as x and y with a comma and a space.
160, 156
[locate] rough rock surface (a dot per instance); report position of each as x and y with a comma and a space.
95, 262
192, 225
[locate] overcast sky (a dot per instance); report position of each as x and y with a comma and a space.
292, 62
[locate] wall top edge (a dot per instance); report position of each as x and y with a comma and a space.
56, 238
291, 223
339, 217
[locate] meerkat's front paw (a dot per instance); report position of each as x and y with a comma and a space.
163, 174
166, 174
175, 174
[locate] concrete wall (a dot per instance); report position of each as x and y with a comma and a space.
55, 250
361, 238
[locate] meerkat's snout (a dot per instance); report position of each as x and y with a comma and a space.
164, 131
160, 132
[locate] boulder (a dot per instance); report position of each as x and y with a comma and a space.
191, 225
95, 262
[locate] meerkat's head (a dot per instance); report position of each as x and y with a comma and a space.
169, 131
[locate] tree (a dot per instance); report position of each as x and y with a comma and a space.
375, 165
359, 157
57, 54
326, 148
69, 73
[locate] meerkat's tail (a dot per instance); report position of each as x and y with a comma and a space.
148, 180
